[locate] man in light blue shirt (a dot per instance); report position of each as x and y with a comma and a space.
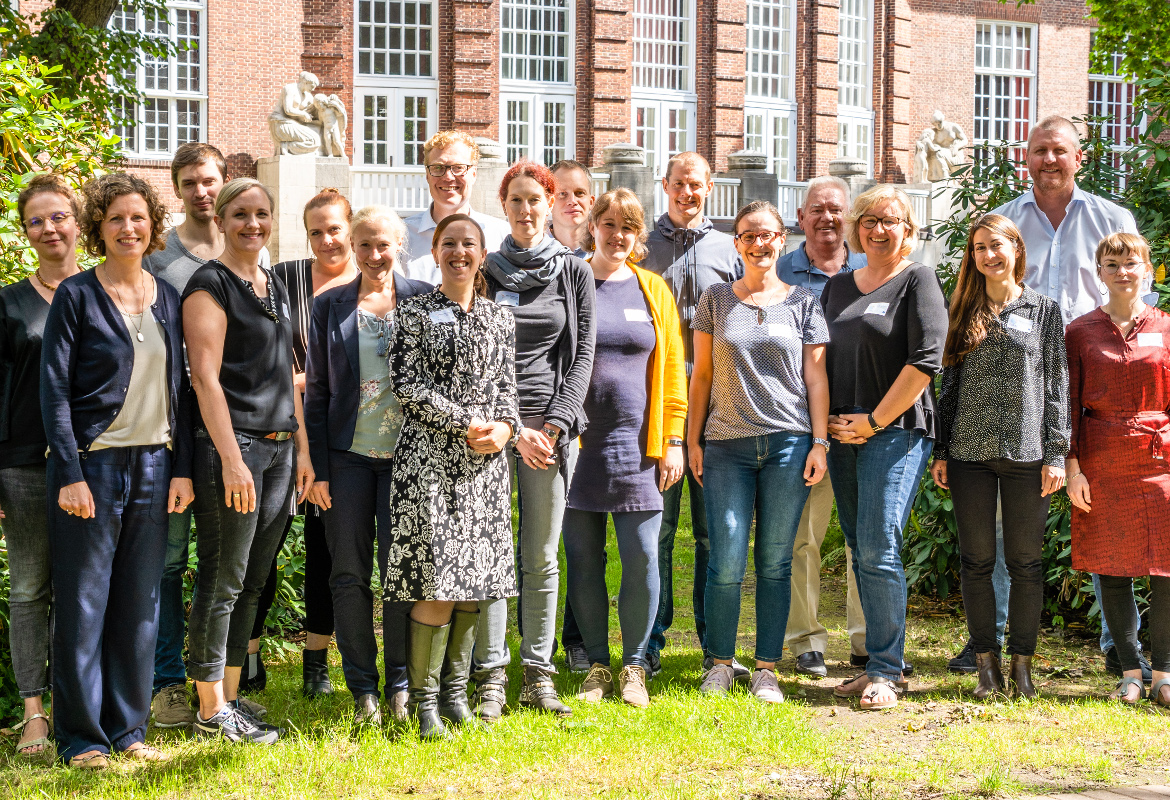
821, 255
1062, 225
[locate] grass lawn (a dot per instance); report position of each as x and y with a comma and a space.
937, 743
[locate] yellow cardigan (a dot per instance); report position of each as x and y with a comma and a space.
668, 377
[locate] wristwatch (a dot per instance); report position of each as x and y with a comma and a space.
873, 424
822, 442
674, 441
551, 432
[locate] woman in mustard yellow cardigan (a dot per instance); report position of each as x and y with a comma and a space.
632, 449
757, 438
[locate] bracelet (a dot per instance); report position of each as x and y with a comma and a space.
1070, 477
822, 442
873, 424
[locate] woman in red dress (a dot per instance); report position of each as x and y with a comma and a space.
1118, 477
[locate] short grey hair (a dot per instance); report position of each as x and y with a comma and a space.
826, 180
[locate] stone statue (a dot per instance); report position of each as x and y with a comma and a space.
938, 149
334, 120
294, 128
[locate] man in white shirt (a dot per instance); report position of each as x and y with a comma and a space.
1062, 225
450, 158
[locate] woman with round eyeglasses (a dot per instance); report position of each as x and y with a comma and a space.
758, 438
887, 323
50, 213
1118, 478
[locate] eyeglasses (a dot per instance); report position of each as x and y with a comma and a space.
751, 237
869, 221
57, 218
1128, 266
439, 170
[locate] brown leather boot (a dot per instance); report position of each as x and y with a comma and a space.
1021, 677
990, 676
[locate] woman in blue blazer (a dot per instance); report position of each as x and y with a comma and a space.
353, 421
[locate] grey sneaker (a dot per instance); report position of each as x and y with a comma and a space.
742, 673
233, 726
251, 708
171, 708
598, 684
576, 658
765, 687
717, 680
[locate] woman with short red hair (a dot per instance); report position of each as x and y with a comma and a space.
550, 293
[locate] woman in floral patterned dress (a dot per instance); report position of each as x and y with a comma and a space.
453, 369
353, 418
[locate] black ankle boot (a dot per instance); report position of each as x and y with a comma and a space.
990, 676
424, 662
316, 673
253, 677
457, 668
539, 693
491, 695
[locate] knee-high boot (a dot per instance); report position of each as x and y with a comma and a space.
457, 668
424, 661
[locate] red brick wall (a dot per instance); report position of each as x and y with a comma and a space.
816, 86
327, 39
471, 29
605, 52
892, 61
719, 79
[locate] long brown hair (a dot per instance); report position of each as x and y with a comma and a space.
480, 284
971, 316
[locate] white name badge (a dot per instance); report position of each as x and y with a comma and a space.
1149, 340
507, 298
781, 330
877, 308
1018, 323
284, 309
637, 315
443, 316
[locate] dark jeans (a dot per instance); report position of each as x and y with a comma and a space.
106, 573
1118, 607
23, 493
975, 486
671, 504
169, 669
637, 540
234, 550
318, 565
760, 477
360, 491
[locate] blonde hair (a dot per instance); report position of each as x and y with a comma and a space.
445, 138
1123, 244
379, 213
236, 187
867, 201
627, 203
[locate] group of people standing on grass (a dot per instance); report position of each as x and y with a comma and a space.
394, 388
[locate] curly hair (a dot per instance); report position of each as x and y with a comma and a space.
628, 205
101, 192
444, 139
48, 183
538, 172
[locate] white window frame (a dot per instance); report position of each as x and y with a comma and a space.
372, 78
775, 136
569, 11
135, 138
855, 120
659, 151
989, 126
535, 147
763, 71
395, 141
1125, 102
660, 9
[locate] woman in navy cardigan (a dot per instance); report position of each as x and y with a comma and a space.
352, 419
113, 343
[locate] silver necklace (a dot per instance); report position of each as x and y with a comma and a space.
122, 305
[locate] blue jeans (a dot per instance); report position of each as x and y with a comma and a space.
23, 494
106, 573
875, 484
671, 505
637, 539
760, 476
169, 669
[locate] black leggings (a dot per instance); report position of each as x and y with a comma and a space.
318, 565
975, 486
1118, 607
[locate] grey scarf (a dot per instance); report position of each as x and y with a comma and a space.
517, 269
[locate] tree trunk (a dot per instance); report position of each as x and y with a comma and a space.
90, 13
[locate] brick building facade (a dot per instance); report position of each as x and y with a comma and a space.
805, 81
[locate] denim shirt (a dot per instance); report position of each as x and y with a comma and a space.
87, 358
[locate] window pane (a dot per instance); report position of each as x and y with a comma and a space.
517, 125
415, 131
375, 130
853, 54
534, 40
556, 132
662, 44
1004, 84
156, 123
770, 37
394, 37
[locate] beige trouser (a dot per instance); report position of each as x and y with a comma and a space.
804, 632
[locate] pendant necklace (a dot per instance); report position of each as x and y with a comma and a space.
122, 305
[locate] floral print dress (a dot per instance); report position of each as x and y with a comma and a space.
379, 416
452, 535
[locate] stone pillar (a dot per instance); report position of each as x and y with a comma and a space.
294, 180
626, 165
485, 195
754, 182
853, 172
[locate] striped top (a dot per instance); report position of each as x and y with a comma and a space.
297, 277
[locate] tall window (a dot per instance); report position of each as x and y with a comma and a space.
395, 103
854, 73
664, 101
1112, 98
395, 38
1005, 84
173, 109
536, 79
770, 103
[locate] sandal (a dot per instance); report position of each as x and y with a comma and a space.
1119, 694
877, 685
43, 742
146, 753
93, 760
1155, 695
852, 687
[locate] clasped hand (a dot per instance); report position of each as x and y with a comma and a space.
850, 428
488, 437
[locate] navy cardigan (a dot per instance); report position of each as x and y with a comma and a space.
86, 360
332, 370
